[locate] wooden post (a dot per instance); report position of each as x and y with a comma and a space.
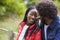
11, 35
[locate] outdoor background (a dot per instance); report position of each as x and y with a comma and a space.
12, 13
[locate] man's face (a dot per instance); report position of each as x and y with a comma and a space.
42, 19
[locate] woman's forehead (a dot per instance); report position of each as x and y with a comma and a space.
33, 11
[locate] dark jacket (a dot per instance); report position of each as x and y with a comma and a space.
53, 31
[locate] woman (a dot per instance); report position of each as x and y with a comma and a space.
28, 29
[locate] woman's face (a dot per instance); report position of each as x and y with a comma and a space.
31, 16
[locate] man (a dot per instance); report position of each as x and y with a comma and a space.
49, 20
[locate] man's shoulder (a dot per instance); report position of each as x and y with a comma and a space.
58, 22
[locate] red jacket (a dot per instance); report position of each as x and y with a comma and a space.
34, 36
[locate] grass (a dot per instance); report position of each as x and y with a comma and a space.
3, 35
9, 24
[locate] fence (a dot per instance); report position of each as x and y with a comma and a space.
10, 32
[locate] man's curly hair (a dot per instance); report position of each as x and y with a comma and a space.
47, 9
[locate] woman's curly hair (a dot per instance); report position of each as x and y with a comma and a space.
47, 9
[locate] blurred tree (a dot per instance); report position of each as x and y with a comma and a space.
57, 3
18, 6
57, 0
13, 6
31, 2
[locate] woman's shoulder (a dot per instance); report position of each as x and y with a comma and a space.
22, 23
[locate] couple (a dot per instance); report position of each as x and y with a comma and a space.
48, 29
